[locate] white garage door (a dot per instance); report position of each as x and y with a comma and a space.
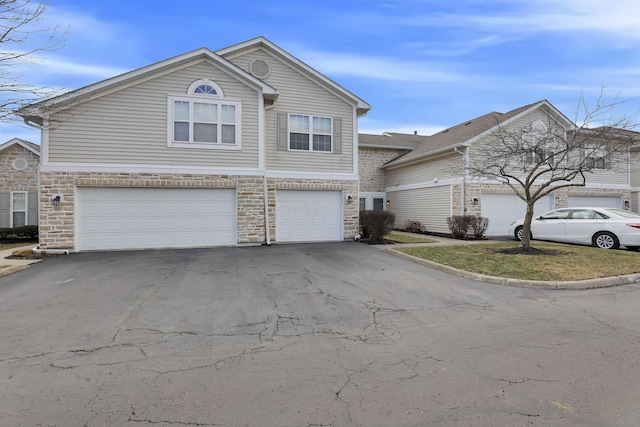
308, 216
144, 218
503, 209
594, 202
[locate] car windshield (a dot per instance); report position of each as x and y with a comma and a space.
623, 213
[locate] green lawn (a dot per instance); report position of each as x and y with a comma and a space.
566, 262
403, 238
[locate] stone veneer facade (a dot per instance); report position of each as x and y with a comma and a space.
561, 196
12, 179
57, 223
372, 178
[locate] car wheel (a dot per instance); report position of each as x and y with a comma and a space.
518, 233
606, 240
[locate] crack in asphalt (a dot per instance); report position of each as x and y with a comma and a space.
181, 423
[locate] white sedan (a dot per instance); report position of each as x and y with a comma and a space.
605, 228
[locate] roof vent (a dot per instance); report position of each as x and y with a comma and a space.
468, 123
386, 134
445, 131
260, 69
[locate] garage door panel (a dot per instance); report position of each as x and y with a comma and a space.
306, 216
503, 209
137, 218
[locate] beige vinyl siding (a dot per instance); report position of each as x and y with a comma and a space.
130, 126
615, 176
446, 167
431, 206
635, 168
300, 95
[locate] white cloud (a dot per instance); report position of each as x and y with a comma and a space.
64, 66
378, 67
620, 18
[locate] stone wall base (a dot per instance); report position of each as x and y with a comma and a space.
58, 223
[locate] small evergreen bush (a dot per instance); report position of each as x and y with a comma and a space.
376, 224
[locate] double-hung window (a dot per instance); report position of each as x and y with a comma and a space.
310, 133
18, 208
205, 119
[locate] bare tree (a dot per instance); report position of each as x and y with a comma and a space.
22, 37
542, 156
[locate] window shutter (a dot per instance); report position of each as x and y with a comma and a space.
32, 215
5, 213
282, 131
337, 135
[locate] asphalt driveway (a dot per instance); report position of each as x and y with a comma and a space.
307, 335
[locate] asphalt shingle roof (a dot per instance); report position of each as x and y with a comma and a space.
459, 133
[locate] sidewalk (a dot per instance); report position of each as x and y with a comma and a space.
10, 266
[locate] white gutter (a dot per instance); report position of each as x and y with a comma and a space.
465, 158
39, 251
263, 166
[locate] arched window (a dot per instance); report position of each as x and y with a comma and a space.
205, 87
203, 118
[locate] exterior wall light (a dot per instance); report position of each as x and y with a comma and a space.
475, 200
627, 204
56, 201
349, 198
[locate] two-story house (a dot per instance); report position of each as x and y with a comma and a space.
244, 145
428, 184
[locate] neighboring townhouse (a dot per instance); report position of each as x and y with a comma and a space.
244, 145
374, 151
428, 184
19, 161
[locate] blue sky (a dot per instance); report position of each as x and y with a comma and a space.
422, 64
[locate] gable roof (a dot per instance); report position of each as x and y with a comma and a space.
30, 146
391, 140
36, 111
467, 132
229, 52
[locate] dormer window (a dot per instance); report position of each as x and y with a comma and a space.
203, 118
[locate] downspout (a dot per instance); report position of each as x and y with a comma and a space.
465, 158
267, 232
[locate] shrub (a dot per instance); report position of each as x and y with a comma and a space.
478, 226
26, 232
376, 224
412, 226
459, 225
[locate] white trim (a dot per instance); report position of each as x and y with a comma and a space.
311, 175
219, 102
440, 183
26, 207
262, 165
193, 86
44, 142
142, 168
148, 72
311, 133
369, 196
20, 142
356, 164
229, 51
